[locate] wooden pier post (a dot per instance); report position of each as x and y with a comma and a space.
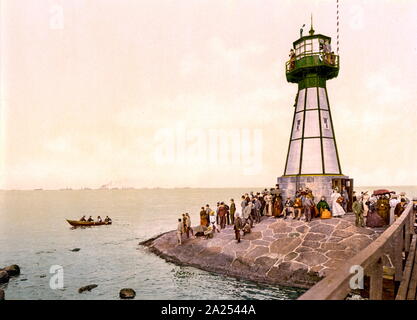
407, 238
398, 255
376, 281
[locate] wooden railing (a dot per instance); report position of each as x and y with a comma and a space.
392, 242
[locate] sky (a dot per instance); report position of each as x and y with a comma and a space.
192, 93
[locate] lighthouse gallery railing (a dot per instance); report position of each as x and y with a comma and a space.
310, 59
393, 241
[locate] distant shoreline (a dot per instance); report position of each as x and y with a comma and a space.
186, 188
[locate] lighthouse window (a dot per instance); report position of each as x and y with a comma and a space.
326, 124
299, 48
308, 46
298, 125
316, 47
302, 47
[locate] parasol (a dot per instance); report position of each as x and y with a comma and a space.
381, 192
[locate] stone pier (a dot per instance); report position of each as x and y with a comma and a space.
277, 251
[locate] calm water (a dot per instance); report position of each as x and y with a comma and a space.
35, 235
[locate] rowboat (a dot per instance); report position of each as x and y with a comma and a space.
77, 223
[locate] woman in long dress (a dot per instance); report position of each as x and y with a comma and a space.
324, 209
277, 207
268, 207
365, 199
374, 220
337, 210
204, 219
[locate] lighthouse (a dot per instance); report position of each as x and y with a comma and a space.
312, 159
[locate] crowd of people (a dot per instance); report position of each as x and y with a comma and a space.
378, 210
370, 211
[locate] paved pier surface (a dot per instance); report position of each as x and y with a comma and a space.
285, 252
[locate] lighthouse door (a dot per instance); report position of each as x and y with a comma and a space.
341, 183
337, 183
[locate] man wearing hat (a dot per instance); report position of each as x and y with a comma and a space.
308, 205
288, 208
232, 211
298, 205
365, 199
357, 208
403, 196
237, 226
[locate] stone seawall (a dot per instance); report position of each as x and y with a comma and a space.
283, 252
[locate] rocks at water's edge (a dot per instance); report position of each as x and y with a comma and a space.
87, 288
127, 293
13, 270
4, 276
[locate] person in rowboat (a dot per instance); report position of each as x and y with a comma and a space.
99, 219
107, 219
82, 218
90, 219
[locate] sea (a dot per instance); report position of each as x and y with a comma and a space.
35, 235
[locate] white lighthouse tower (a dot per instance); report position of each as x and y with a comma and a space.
312, 158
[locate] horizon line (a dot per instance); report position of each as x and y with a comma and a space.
183, 187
